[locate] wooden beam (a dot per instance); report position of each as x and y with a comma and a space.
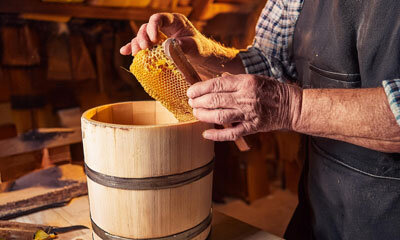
80, 10
220, 8
15, 146
200, 7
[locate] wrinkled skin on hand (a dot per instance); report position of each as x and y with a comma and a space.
252, 103
195, 45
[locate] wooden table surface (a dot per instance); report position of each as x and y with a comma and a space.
77, 213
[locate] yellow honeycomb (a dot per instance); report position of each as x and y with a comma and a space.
161, 79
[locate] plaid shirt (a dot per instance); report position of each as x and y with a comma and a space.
270, 53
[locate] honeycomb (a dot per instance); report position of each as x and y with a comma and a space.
162, 80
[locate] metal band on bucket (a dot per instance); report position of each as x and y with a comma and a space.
150, 183
185, 235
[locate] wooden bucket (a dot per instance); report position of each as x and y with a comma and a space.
149, 176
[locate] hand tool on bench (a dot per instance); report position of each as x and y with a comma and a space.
23, 231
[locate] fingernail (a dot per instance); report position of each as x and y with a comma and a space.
190, 102
194, 111
152, 38
206, 135
189, 93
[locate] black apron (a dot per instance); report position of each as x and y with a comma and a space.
347, 191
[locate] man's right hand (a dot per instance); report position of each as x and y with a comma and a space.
207, 56
175, 25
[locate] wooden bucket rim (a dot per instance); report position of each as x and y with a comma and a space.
85, 117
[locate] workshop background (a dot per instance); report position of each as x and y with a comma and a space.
60, 58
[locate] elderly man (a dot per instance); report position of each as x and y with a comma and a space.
329, 69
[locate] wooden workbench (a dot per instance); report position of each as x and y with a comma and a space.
77, 213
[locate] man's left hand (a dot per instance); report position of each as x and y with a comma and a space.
252, 103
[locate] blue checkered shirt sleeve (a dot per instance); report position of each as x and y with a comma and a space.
392, 90
270, 53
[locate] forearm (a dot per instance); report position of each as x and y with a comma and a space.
359, 116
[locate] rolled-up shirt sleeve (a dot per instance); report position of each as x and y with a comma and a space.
270, 53
392, 90
255, 62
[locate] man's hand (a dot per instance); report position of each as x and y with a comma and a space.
207, 56
252, 103
175, 25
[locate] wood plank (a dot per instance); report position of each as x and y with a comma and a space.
14, 146
80, 10
75, 213
41, 189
